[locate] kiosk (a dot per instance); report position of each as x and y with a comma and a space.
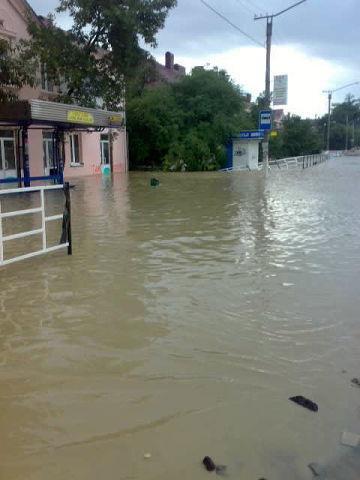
243, 151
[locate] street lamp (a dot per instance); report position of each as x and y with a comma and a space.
330, 94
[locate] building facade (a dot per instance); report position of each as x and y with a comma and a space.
85, 153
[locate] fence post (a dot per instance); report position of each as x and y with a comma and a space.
25, 156
68, 210
43, 221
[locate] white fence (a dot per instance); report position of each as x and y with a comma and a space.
235, 169
40, 231
304, 161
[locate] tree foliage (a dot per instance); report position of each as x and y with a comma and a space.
16, 70
297, 137
102, 50
186, 125
345, 123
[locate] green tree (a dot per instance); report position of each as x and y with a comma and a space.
297, 137
345, 118
102, 49
348, 110
16, 70
198, 114
154, 122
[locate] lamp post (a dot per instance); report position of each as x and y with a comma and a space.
330, 94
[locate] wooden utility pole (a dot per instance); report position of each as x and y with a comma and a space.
330, 94
269, 30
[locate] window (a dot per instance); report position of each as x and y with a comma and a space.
48, 149
7, 150
104, 149
75, 149
46, 84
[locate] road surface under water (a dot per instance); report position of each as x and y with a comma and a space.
186, 318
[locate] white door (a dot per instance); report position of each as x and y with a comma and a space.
7, 154
240, 155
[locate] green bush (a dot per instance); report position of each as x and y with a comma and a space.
185, 126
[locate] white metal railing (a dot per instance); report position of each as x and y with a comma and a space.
304, 161
336, 153
39, 231
235, 169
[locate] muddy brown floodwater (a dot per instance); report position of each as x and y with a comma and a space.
187, 316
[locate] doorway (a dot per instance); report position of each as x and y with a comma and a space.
105, 149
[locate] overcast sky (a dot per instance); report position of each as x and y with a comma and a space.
316, 44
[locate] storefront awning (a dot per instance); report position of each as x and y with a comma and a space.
70, 117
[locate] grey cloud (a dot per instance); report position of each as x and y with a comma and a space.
326, 28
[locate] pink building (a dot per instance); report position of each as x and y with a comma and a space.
84, 153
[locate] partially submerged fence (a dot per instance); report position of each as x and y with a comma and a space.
65, 241
304, 161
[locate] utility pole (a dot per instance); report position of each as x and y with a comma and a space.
328, 123
353, 135
330, 94
347, 133
269, 29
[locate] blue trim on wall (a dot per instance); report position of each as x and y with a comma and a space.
57, 179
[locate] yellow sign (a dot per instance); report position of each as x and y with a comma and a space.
76, 116
116, 119
273, 134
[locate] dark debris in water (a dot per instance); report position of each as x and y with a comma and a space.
154, 182
210, 466
305, 402
355, 381
315, 468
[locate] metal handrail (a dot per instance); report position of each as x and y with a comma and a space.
39, 231
303, 161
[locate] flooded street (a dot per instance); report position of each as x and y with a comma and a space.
186, 318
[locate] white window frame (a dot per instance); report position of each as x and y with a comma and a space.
46, 84
46, 142
104, 141
78, 163
2, 156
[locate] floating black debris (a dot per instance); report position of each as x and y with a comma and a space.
305, 402
315, 468
154, 182
209, 464
355, 381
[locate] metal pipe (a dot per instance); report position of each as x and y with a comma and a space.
68, 211
328, 125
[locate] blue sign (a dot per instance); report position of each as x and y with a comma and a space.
251, 135
265, 120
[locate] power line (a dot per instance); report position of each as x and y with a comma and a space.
260, 17
240, 2
231, 23
256, 5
